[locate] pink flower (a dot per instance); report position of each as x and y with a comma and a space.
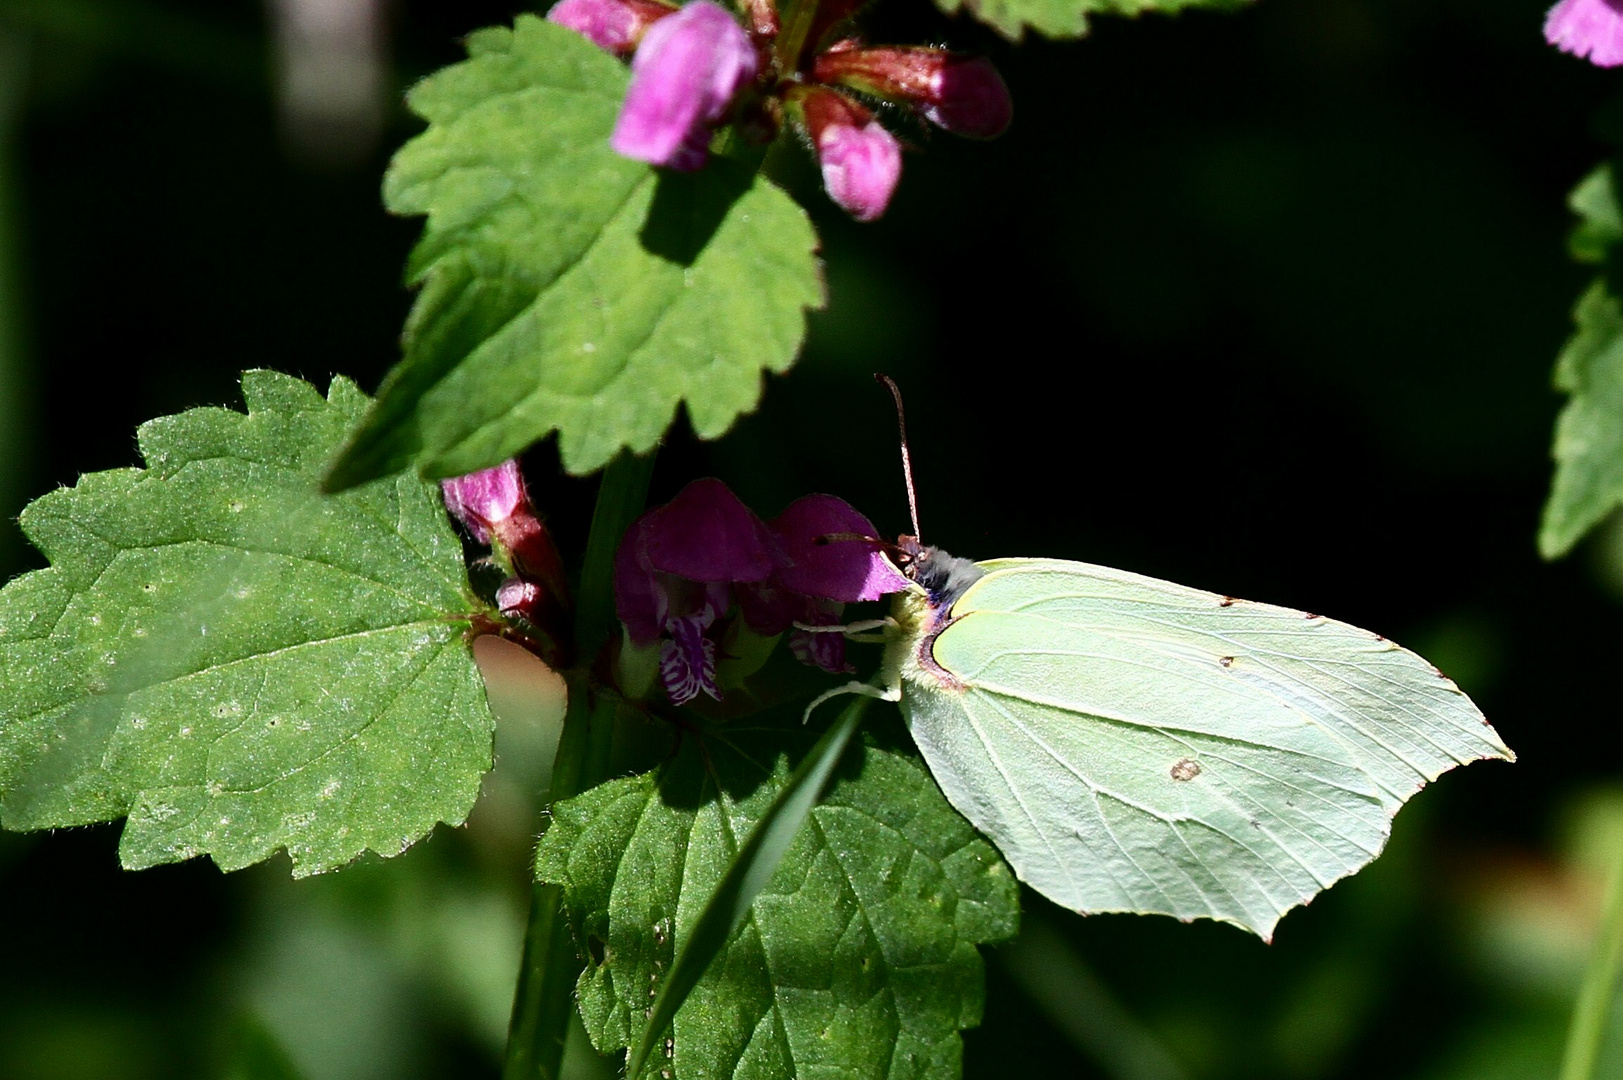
961, 94
683, 78
486, 499
493, 506
1588, 28
861, 161
612, 25
684, 568
833, 552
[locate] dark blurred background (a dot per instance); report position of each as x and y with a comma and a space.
1262, 303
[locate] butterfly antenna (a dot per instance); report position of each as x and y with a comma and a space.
907, 457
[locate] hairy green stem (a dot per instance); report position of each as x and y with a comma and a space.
1589, 1019
550, 966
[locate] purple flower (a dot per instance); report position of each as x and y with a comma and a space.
961, 94
495, 509
673, 577
685, 568
483, 500
684, 76
1589, 28
612, 25
833, 551
861, 161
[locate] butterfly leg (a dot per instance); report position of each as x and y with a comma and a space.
858, 627
883, 693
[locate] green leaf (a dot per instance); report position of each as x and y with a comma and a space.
858, 958
1588, 446
1600, 225
566, 288
1067, 18
236, 662
751, 869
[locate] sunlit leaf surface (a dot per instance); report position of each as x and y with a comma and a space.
858, 959
566, 288
235, 661
1588, 447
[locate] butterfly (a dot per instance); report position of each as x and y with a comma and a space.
1134, 745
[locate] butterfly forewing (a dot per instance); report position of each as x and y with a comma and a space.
1404, 721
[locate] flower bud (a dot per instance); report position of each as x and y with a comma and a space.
612, 25
1588, 28
493, 506
961, 94
483, 499
762, 17
521, 599
684, 76
861, 161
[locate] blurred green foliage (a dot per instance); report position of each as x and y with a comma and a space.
1262, 302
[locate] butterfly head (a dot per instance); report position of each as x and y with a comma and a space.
943, 576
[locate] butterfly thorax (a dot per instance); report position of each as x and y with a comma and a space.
944, 577
922, 612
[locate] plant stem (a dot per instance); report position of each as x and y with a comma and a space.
620, 499
1594, 1008
550, 965
797, 18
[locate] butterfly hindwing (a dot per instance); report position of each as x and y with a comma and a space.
1133, 745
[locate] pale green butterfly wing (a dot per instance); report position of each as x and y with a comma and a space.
1405, 722
1132, 745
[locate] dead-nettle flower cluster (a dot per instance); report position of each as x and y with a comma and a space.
695, 68
695, 578
1588, 28
692, 576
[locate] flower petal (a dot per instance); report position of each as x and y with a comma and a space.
1588, 28
483, 499
844, 567
861, 161
823, 650
638, 598
972, 99
706, 534
687, 660
612, 25
683, 77
769, 608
